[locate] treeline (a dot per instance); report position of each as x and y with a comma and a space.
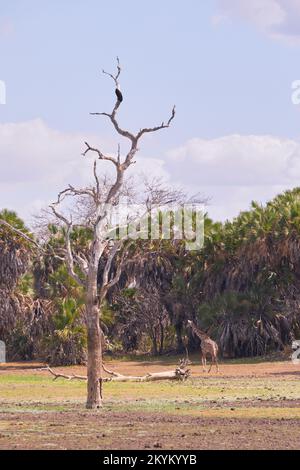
243, 288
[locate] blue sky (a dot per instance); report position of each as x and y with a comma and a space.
227, 64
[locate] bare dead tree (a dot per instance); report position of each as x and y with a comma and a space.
84, 269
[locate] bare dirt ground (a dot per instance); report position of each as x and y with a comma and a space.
245, 406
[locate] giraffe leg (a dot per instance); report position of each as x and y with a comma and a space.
203, 363
214, 361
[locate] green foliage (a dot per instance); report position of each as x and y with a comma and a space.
12, 218
26, 285
19, 344
243, 286
129, 293
69, 313
66, 345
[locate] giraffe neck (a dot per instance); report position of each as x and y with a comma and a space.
198, 332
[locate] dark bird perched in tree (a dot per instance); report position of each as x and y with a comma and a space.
119, 95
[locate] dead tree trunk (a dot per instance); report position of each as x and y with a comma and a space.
94, 365
94, 334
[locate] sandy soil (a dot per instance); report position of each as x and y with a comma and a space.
146, 431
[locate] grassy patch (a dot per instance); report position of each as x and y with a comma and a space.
41, 393
32, 390
16, 386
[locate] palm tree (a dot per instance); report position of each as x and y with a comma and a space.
255, 259
14, 251
14, 262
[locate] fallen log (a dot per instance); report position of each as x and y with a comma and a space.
58, 375
180, 373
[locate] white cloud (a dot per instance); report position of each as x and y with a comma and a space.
35, 153
238, 160
234, 170
278, 18
37, 162
228, 201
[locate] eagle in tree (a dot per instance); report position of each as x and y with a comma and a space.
119, 95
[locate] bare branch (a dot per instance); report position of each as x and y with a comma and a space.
81, 192
96, 180
100, 154
119, 130
57, 375
82, 262
157, 128
109, 261
69, 254
115, 77
108, 284
57, 214
119, 154
20, 233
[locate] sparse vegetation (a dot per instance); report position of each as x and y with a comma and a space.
257, 401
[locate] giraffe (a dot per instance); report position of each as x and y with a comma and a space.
208, 346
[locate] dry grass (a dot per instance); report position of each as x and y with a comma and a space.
261, 397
